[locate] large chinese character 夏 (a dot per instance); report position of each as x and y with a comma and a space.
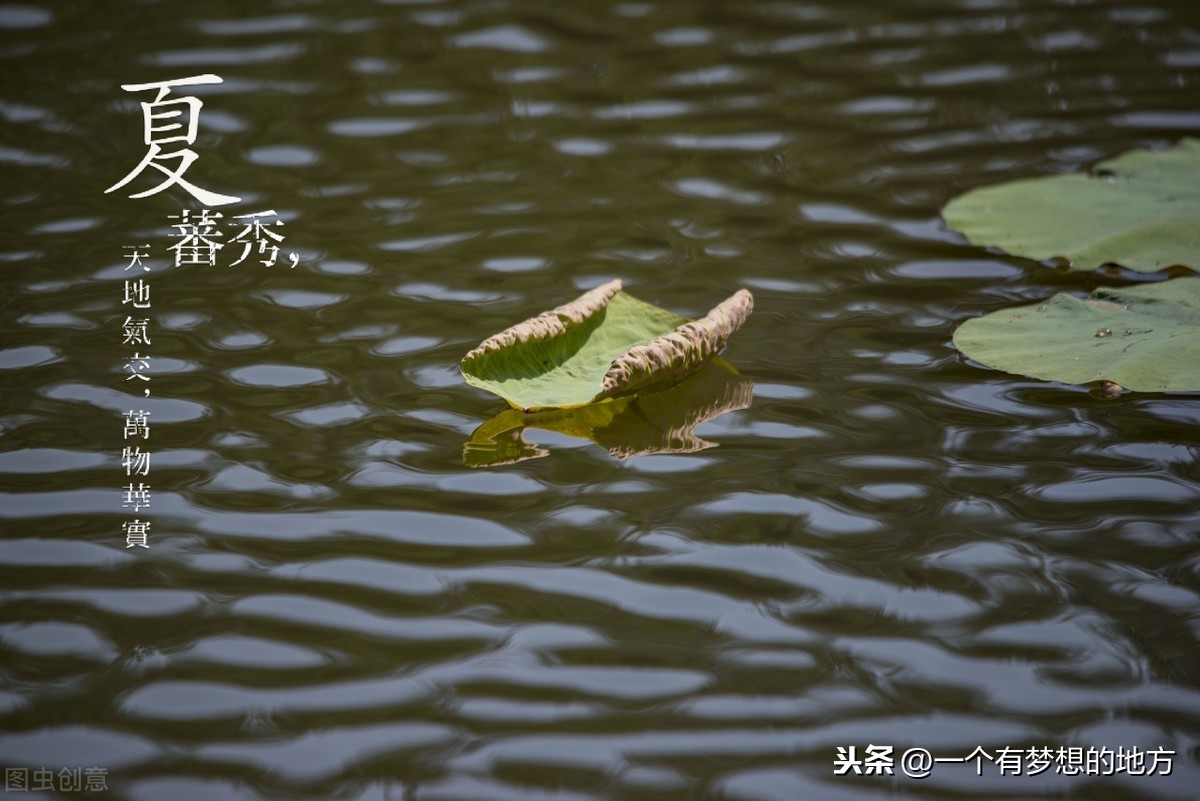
168, 125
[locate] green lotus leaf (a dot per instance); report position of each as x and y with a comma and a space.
603, 344
660, 420
1144, 338
1140, 210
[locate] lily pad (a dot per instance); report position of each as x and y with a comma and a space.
656, 421
1139, 210
1144, 338
604, 344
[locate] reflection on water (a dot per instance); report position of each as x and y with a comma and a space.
661, 421
891, 546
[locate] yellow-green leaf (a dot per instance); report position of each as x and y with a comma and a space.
604, 344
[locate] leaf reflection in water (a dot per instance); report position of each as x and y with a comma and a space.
657, 421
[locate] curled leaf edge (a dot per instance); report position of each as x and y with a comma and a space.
674, 355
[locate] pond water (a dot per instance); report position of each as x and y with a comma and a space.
888, 546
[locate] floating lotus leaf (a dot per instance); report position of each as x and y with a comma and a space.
1140, 210
654, 421
1144, 338
602, 345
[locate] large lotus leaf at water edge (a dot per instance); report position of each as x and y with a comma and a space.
1140, 210
1144, 338
601, 345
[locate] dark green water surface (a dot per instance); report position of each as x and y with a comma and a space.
888, 546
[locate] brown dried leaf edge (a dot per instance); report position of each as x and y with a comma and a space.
672, 356
549, 324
